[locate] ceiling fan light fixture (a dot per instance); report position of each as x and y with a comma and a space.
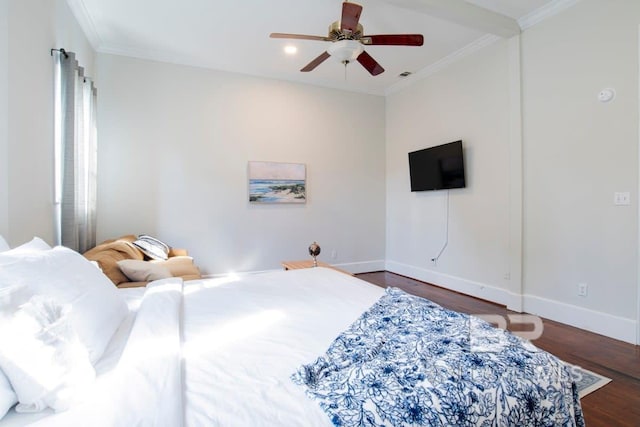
290, 49
345, 50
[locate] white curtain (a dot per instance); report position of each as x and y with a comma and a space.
75, 154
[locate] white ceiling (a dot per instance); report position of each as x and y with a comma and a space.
234, 35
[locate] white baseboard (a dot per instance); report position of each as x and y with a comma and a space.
601, 323
594, 321
458, 284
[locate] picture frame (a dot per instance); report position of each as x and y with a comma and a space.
277, 182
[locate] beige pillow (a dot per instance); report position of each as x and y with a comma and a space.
143, 271
181, 266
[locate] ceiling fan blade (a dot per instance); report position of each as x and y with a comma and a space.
350, 16
393, 40
313, 64
370, 64
298, 36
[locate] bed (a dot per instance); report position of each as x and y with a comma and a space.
309, 347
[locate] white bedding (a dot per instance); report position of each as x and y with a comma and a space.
242, 338
133, 381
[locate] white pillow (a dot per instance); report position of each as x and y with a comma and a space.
34, 245
143, 271
97, 309
8, 396
42, 356
10, 296
4, 246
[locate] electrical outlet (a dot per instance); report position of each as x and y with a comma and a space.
582, 289
622, 198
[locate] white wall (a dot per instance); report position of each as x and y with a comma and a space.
174, 146
69, 35
4, 111
34, 27
577, 153
469, 101
30, 119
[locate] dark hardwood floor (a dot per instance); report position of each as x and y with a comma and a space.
616, 404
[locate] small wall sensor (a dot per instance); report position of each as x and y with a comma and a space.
606, 95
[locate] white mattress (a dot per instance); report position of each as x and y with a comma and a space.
242, 338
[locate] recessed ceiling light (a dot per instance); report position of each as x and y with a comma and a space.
290, 50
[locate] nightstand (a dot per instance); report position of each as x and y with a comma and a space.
296, 265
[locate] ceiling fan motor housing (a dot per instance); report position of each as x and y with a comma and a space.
337, 33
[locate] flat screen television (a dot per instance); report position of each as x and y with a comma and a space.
437, 168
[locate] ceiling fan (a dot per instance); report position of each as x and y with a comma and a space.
347, 39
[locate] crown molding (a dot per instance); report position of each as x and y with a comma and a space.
79, 10
88, 26
525, 22
443, 63
547, 11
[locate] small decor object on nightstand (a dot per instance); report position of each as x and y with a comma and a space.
314, 251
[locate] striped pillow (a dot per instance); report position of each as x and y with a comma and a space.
152, 247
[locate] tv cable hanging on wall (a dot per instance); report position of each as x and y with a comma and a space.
446, 233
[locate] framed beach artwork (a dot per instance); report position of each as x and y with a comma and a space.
273, 182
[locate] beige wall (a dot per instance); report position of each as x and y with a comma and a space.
174, 146
30, 119
469, 101
576, 153
4, 112
69, 35
34, 27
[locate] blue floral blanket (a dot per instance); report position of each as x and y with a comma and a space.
410, 362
